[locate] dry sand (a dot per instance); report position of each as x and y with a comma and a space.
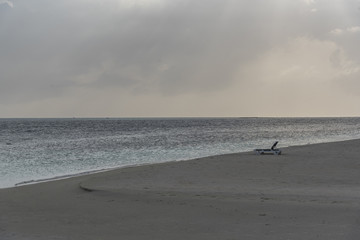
309, 192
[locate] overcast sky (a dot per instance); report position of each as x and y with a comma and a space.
179, 58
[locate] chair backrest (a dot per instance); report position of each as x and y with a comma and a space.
274, 145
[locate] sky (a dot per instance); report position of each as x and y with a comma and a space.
179, 58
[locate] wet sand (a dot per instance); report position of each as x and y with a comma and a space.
308, 192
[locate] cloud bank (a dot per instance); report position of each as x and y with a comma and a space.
179, 58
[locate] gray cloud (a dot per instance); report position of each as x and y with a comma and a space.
153, 47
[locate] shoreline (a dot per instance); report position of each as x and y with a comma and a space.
90, 172
310, 191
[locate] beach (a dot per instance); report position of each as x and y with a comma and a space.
308, 192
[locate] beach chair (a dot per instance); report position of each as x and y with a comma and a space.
272, 150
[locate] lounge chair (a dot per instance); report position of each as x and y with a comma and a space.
272, 150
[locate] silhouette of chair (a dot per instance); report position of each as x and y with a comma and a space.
272, 150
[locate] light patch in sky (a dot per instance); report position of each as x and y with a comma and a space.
353, 29
9, 3
305, 61
337, 31
303, 75
309, 2
340, 31
140, 3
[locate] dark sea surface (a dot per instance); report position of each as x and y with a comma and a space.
33, 149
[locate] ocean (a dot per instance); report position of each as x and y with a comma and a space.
37, 149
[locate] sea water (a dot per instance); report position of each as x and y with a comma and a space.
34, 149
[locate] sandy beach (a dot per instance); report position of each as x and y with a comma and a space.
308, 192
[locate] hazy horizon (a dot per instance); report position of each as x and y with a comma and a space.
158, 58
